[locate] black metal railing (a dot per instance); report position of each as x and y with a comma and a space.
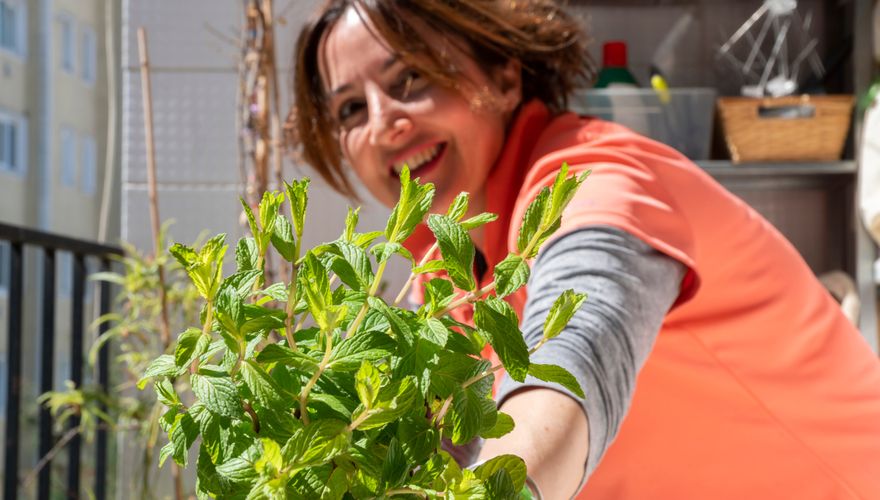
47, 246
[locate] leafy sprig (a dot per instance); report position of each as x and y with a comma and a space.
356, 404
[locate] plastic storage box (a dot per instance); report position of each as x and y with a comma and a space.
684, 122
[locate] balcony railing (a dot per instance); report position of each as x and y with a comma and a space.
47, 246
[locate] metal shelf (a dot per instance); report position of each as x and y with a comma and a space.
725, 168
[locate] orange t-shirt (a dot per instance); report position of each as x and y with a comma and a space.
757, 386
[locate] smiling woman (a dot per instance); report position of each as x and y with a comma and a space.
714, 363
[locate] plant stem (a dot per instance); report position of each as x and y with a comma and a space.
377, 279
304, 396
406, 491
206, 330
469, 297
358, 421
291, 305
412, 276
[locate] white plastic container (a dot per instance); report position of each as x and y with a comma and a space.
685, 122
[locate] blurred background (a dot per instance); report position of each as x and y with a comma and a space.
75, 183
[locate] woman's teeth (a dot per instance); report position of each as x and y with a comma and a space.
417, 160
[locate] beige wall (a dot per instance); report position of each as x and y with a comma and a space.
13, 99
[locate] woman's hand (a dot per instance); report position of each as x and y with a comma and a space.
551, 435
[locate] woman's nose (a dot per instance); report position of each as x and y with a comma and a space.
388, 121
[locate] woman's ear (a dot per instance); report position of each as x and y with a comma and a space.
508, 83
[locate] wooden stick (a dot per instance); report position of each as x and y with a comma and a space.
146, 90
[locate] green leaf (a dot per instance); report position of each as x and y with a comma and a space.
478, 220
564, 189
503, 425
435, 332
432, 266
511, 464
205, 266
316, 443
269, 206
242, 282
531, 223
500, 485
275, 291
418, 438
497, 320
325, 405
366, 239
399, 320
365, 346
261, 319
457, 250
562, 311
394, 467
246, 254
439, 293
465, 414
324, 482
166, 393
351, 222
252, 221
451, 371
274, 353
190, 345
395, 400
367, 383
218, 394
238, 469
162, 366
353, 267
558, 375
182, 435
271, 457
384, 251
316, 287
458, 207
262, 386
228, 310
415, 201
282, 239
510, 275
298, 196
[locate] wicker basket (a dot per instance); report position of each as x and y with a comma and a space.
796, 128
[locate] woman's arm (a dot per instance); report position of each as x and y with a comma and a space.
631, 287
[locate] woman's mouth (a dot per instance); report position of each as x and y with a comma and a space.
422, 162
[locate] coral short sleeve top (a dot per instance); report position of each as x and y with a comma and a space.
757, 386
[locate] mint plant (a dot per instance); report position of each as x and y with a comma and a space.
315, 387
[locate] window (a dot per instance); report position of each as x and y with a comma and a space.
12, 26
68, 43
88, 54
68, 157
12, 143
89, 166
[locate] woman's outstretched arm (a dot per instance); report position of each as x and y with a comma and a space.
631, 287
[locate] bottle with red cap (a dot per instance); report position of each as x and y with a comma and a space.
614, 72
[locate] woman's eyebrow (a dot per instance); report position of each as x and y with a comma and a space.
391, 61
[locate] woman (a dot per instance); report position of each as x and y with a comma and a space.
736, 373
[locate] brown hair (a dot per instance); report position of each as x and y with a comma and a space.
548, 42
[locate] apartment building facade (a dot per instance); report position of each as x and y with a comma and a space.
54, 120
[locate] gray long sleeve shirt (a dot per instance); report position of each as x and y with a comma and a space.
630, 288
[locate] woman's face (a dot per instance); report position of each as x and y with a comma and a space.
388, 115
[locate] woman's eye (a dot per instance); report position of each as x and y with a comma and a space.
410, 82
348, 112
